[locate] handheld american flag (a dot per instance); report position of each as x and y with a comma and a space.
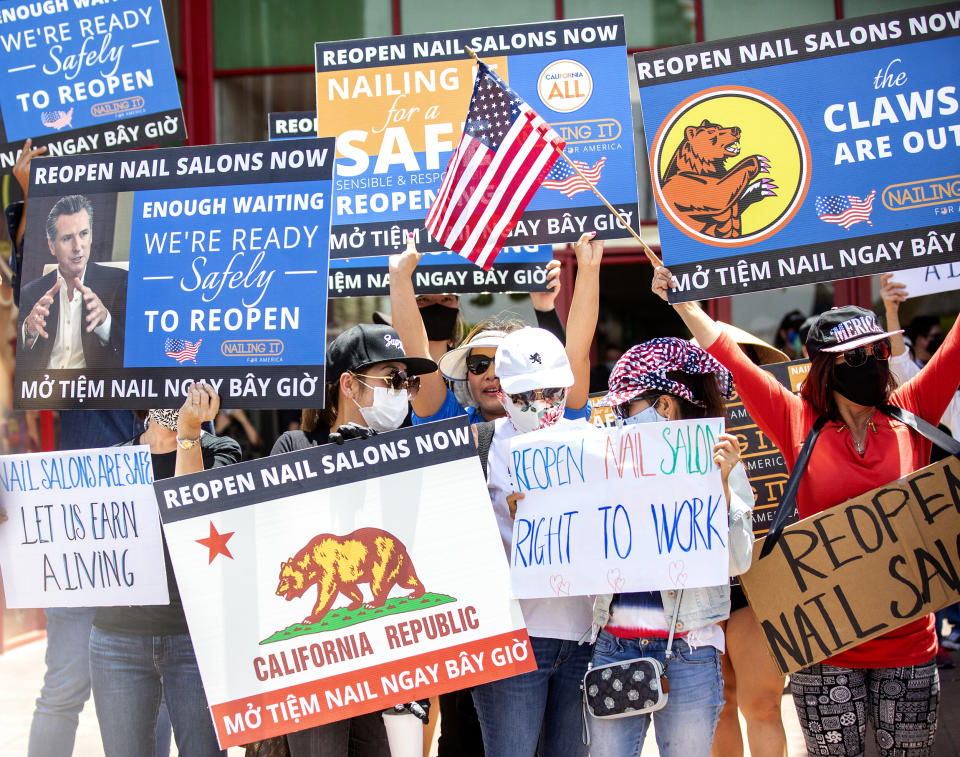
505, 152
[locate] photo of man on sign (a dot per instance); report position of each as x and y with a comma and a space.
72, 317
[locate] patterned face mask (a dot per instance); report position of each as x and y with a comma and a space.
166, 417
533, 414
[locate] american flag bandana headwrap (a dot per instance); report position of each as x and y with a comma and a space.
504, 153
644, 367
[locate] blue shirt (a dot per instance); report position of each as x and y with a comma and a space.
451, 409
86, 429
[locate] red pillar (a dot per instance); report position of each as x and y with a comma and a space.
853, 292
196, 35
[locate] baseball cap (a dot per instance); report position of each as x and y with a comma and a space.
453, 363
532, 358
365, 344
844, 328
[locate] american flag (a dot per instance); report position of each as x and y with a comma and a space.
845, 210
181, 350
564, 179
504, 153
57, 119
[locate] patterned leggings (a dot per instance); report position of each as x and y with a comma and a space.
833, 705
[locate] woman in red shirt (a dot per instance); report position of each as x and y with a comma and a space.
859, 449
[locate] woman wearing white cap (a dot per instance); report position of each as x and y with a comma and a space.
541, 382
470, 365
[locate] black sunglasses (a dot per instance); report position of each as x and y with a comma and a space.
397, 380
479, 364
524, 399
858, 355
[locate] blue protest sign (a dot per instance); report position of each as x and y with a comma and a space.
808, 154
517, 269
191, 263
397, 104
86, 77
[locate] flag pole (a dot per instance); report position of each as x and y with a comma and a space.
654, 258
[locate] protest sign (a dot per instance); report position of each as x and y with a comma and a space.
930, 279
84, 77
81, 529
807, 154
284, 639
210, 261
860, 569
634, 508
397, 105
518, 269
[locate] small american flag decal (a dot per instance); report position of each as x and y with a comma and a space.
181, 350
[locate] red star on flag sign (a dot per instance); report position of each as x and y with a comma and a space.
216, 543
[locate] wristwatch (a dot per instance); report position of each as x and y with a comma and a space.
187, 443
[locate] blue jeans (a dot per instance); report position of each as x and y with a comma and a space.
541, 707
685, 726
130, 675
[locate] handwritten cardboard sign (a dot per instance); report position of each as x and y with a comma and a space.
210, 261
517, 269
803, 155
860, 569
82, 77
263, 554
81, 530
396, 106
635, 508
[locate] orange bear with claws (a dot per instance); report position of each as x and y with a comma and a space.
702, 192
337, 564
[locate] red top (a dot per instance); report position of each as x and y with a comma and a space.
836, 472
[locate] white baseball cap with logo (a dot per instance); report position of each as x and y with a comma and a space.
532, 358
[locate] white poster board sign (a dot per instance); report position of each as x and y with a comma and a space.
340, 580
930, 279
632, 508
81, 529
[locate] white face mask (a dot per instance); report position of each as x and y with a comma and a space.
647, 415
388, 410
538, 414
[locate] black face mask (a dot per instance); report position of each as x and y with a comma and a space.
934, 343
866, 384
439, 321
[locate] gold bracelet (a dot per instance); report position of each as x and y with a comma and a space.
187, 443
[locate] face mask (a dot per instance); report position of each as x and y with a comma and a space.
166, 417
934, 343
537, 414
388, 410
866, 384
647, 415
439, 321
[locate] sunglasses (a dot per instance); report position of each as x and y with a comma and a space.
523, 400
858, 355
479, 364
397, 380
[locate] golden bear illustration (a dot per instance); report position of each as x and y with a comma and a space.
337, 564
702, 192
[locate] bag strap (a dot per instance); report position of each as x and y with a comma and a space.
944, 441
790, 490
484, 438
668, 655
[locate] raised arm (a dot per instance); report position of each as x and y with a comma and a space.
409, 326
893, 293
584, 311
202, 404
543, 303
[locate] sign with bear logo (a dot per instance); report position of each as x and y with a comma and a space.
804, 155
83, 77
517, 269
397, 104
340, 580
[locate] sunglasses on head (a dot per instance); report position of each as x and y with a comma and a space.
525, 399
479, 364
396, 380
858, 355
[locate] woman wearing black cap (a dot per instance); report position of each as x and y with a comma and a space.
370, 381
892, 679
